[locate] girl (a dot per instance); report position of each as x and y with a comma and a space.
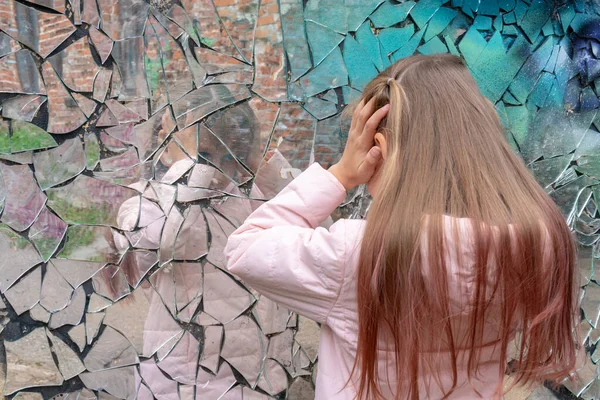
461, 249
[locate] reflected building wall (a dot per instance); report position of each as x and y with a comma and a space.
136, 136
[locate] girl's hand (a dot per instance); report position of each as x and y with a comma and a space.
360, 158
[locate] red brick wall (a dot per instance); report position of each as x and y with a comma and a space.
79, 69
295, 129
269, 79
294, 135
53, 28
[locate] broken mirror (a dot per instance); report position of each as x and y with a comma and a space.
137, 135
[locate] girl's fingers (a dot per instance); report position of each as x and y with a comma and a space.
362, 115
165, 120
373, 156
366, 113
359, 107
373, 122
369, 164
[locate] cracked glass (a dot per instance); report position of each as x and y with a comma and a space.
136, 136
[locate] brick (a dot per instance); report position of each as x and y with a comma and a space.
222, 3
267, 19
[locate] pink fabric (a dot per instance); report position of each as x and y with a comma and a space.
283, 253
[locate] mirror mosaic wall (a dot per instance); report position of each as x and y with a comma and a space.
135, 136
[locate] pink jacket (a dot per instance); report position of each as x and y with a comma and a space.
283, 253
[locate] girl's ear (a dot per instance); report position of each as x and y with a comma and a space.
381, 142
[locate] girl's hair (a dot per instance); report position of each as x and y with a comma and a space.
447, 156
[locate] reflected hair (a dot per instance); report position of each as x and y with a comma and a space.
241, 128
448, 157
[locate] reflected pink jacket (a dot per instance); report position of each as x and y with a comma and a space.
283, 253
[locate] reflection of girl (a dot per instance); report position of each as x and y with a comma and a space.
460, 248
156, 329
225, 134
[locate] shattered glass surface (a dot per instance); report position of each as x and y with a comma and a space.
136, 135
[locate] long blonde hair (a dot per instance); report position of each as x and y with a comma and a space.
448, 157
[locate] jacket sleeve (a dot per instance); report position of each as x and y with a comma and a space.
281, 252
